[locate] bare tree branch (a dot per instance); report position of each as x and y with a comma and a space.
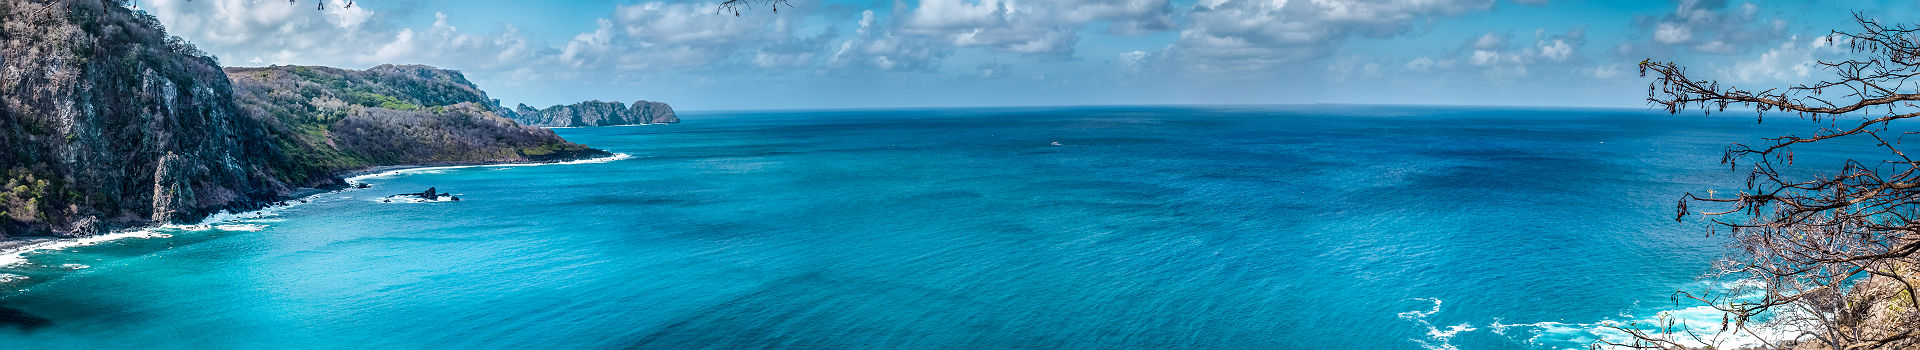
320, 4
1834, 256
733, 6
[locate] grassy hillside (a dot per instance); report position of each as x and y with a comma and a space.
328, 120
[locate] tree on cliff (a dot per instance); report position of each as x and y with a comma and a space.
1835, 256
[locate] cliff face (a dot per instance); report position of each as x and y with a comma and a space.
596, 113
107, 122
328, 120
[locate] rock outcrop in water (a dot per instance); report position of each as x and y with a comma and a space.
107, 122
596, 113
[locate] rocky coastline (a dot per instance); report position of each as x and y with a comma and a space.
15, 249
110, 123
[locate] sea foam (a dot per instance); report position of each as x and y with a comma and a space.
1438, 338
438, 169
247, 221
1701, 319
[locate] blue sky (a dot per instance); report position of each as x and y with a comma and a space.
885, 53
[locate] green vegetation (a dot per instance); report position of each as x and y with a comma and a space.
115, 108
550, 149
79, 131
1900, 302
377, 100
328, 120
22, 195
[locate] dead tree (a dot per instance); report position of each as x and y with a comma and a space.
726, 6
321, 4
1830, 259
733, 6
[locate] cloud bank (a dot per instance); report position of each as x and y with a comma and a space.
935, 43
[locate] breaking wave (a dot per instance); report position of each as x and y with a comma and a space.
248, 221
438, 169
1561, 335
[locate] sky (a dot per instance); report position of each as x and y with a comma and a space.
829, 54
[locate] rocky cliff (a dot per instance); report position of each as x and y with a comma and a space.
107, 122
329, 120
596, 113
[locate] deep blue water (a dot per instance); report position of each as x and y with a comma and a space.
1145, 227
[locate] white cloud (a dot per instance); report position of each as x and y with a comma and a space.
1354, 70
635, 37
1123, 17
1488, 58
686, 41
1793, 61
1134, 58
1605, 71
1558, 50
1707, 26
669, 35
1046, 28
255, 33
1490, 41
876, 49
1420, 64
246, 30
992, 70
1494, 57
1672, 33
1252, 35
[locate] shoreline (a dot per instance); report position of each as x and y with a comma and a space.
596, 126
14, 251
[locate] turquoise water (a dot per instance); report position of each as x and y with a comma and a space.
1145, 227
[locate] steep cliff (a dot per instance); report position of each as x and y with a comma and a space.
596, 113
107, 122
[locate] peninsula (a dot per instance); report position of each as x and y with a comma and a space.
111, 123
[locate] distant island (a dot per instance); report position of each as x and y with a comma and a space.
596, 113
111, 123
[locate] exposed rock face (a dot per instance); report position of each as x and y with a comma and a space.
1879, 307
107, 122
596, 113
655, 112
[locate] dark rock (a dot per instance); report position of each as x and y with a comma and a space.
430, 194
16, 318
106, 122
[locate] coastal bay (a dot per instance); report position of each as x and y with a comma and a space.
957, 226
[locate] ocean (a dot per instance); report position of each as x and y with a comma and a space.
1238, 227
